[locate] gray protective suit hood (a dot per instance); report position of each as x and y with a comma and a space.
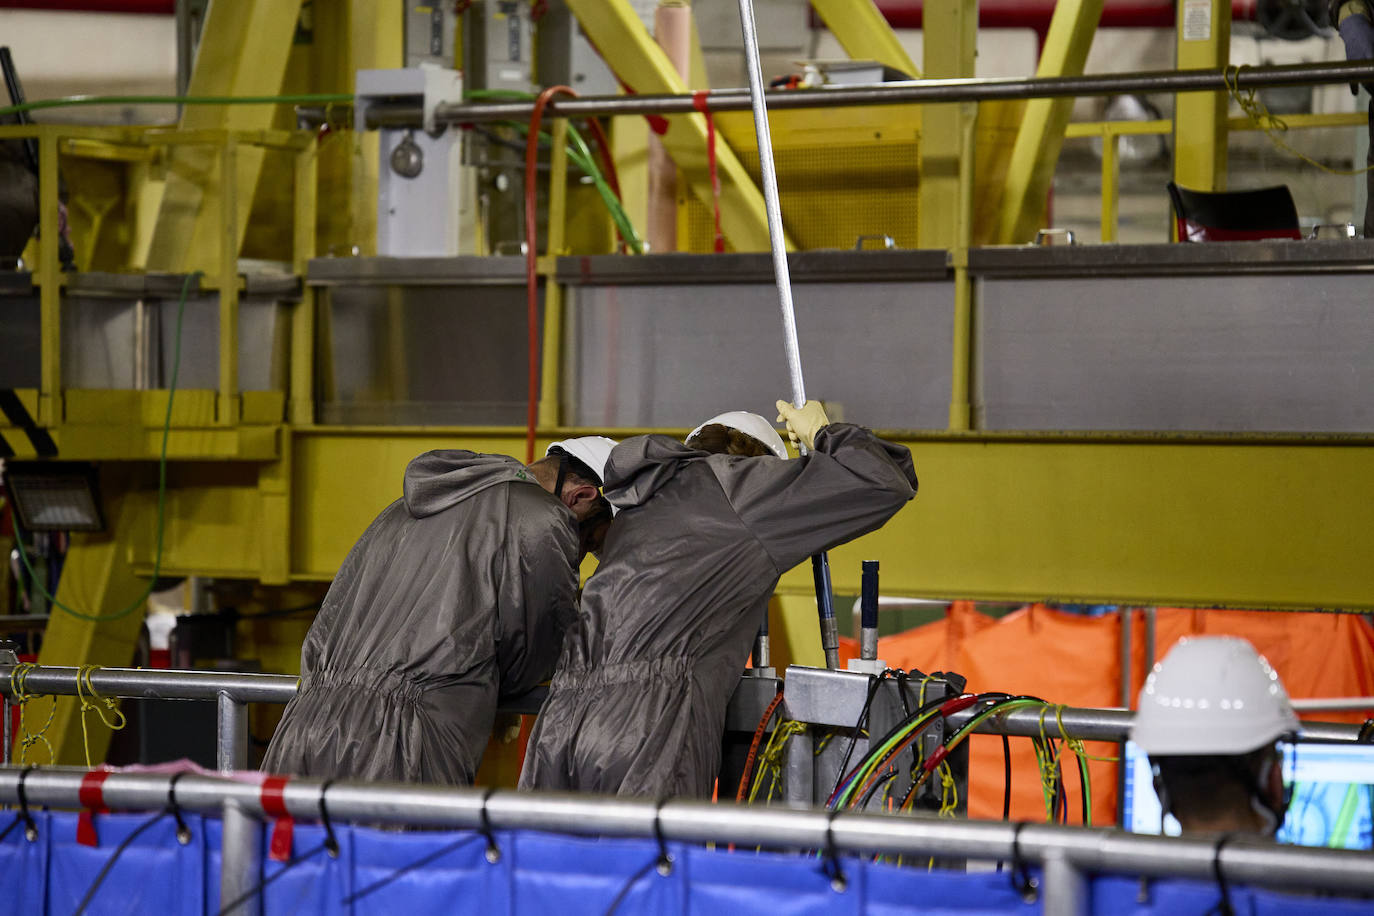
457, 594
443, 478
638, 467
638, 704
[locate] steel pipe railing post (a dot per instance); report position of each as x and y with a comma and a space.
240, 861
1063, 887
9, 731
241, 847
231, 734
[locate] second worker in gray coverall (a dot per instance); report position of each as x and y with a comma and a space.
637, 706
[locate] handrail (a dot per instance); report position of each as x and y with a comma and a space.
245, 687
1248, 861
402, 114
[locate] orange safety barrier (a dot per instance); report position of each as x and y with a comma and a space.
1076, 660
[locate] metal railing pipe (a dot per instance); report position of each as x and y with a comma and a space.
403, 114
158, 684
1104, 724
1086, 850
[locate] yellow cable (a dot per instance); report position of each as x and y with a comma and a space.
87, 698
1272, 125
771, 758
19, 690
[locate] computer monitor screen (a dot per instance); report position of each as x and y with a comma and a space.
1332, 803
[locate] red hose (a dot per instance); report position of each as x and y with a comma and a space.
532, 260
754, 747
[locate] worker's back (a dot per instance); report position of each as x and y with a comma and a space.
455, 594
638, 704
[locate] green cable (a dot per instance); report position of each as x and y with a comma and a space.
72, 101
161, 487
584, 161
582, 157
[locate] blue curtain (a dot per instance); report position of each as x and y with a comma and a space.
420, 872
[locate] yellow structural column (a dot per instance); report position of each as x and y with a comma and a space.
640, 63
949, 44
243, 52
1204, 42
865, 35
49, 284
1036, 150
97, 580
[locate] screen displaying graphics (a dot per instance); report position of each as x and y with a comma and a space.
1332, 805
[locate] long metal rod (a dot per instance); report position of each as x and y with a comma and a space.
1091, 850
140, 683
820, 564
769, 180
402, 114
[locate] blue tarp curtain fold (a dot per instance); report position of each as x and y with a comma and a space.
414, 873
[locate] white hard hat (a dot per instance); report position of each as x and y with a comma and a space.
1212, 695
751, 424
593, 451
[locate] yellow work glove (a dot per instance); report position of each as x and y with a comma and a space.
803, 422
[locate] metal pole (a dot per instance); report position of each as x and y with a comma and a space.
1089, 850
1064, 889
8, 656
403, 114
231, 735
1079, 722
241, 859
820, 565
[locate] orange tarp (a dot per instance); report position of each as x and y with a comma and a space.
1075, 660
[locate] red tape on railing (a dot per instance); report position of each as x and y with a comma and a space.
274, 805
92, 798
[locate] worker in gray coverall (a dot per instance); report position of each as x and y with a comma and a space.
456, 595
705, 529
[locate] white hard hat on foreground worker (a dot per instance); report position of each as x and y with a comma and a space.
1212, 695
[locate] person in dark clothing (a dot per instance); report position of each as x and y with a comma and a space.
456, 595
706, 528
1355, 21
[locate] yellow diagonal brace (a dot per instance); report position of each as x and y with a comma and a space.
640, 64
865, 35
243, 51
1042, 129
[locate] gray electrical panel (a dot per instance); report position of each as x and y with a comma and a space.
498, 46
429, 34
566, 56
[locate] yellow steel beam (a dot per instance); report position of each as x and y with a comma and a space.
49, 281
551, 363
1204, 41
243, 51
948, 36
301, 405
640, 63
98, 580
865, 35
1036, 152
1263, 521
